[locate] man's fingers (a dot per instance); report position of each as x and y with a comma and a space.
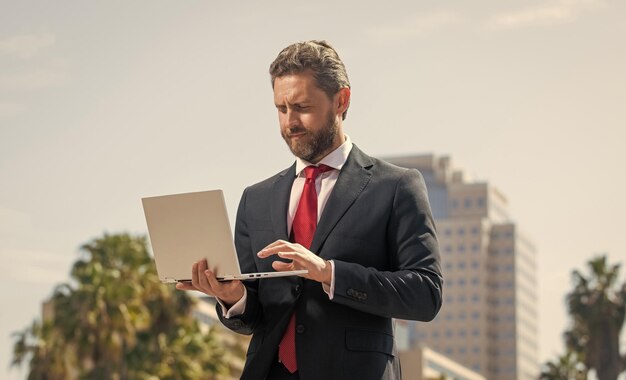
185, 286
202, 273
204, 280
273, 248
194, 275
281, 267
212, 281
291, 255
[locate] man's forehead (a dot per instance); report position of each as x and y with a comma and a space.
295, 87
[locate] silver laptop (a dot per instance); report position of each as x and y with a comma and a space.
185, 228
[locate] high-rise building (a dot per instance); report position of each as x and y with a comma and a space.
422, 363
488, 321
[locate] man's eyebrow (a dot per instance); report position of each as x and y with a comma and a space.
293, 104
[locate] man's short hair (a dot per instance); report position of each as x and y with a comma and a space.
317, 56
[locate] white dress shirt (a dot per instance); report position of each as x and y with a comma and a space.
324, 185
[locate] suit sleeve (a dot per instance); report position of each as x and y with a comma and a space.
412, 289
244, 323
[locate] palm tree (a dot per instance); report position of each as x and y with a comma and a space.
566, 367
47, 358
115, 320
598, 307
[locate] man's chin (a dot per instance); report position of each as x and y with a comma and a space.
299, 151
302, 154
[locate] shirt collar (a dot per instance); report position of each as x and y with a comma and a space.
335, 159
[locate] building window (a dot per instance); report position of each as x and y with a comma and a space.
448, 249
449, 333
467, 203
461, 231
475, 264
475, 230
461, 265
475, 247
447, 232
455, 203
461, 248
480, 202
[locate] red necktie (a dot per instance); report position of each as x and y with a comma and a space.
302, 231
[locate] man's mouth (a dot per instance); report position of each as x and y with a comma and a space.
296, 134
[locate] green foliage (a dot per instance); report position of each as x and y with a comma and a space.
566, 367
597, 306
117, 321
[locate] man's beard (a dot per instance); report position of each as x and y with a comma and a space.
314, 144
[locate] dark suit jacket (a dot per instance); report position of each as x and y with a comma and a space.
377, 227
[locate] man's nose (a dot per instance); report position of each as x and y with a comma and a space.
293, 118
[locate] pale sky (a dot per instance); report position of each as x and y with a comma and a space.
103, 102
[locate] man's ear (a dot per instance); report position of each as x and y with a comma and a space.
343, 100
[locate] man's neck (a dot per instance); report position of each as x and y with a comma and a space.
335, 158
341, 138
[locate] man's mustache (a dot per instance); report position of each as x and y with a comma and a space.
295, 130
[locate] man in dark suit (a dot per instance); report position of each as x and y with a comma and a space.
361, 227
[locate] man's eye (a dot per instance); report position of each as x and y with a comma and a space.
282, 109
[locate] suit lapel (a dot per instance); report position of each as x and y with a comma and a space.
280, 201
353, 178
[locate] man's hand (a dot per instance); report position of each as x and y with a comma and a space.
301, 258
204, 280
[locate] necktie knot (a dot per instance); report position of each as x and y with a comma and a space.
311, 172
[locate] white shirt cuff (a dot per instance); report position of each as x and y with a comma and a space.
330, 290
237, 309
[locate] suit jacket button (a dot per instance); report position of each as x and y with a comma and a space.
297, 288
350, 292
300, 329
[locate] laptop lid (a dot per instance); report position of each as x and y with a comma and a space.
185, 228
